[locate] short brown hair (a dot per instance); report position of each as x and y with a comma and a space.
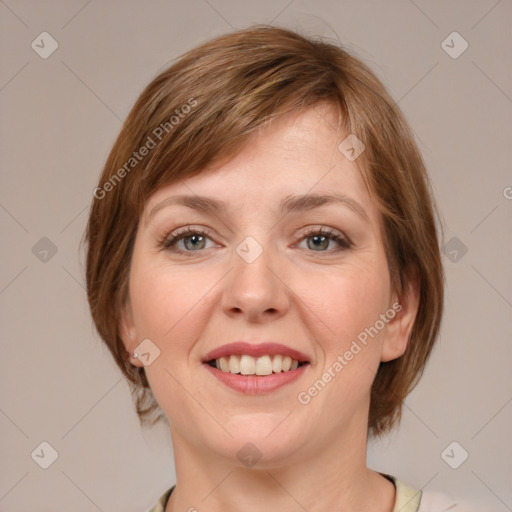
226, 89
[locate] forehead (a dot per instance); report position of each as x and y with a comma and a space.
297, 153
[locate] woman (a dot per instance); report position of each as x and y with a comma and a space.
264, 266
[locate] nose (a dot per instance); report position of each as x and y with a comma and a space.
255, 290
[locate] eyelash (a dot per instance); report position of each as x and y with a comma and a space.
169, 240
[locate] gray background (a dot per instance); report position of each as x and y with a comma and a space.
60, 116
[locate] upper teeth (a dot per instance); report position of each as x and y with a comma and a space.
263, 365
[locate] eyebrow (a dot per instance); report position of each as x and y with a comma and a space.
290, 204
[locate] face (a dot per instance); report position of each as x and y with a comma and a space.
258, 279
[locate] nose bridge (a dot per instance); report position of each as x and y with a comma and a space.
255, 289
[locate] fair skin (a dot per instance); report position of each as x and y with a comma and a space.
307, 293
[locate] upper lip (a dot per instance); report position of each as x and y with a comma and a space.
255, 350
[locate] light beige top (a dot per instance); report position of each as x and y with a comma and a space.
407, 498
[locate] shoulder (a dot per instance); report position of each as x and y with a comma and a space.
409, 499
162, 502
434, 501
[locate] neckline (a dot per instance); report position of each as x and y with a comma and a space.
407, 498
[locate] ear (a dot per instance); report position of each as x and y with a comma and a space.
399, 328
128, 332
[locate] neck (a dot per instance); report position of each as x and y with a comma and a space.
335, 479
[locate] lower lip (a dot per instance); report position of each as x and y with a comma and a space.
256, 384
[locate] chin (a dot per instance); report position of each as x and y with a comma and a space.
262, 444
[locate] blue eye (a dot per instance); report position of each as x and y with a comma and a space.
321, 238
195, 240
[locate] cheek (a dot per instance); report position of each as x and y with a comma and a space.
171, 307
168, 304
349, 301
352, 302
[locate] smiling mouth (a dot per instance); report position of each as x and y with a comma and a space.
259, 366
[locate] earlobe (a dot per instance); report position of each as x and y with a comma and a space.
399, 328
